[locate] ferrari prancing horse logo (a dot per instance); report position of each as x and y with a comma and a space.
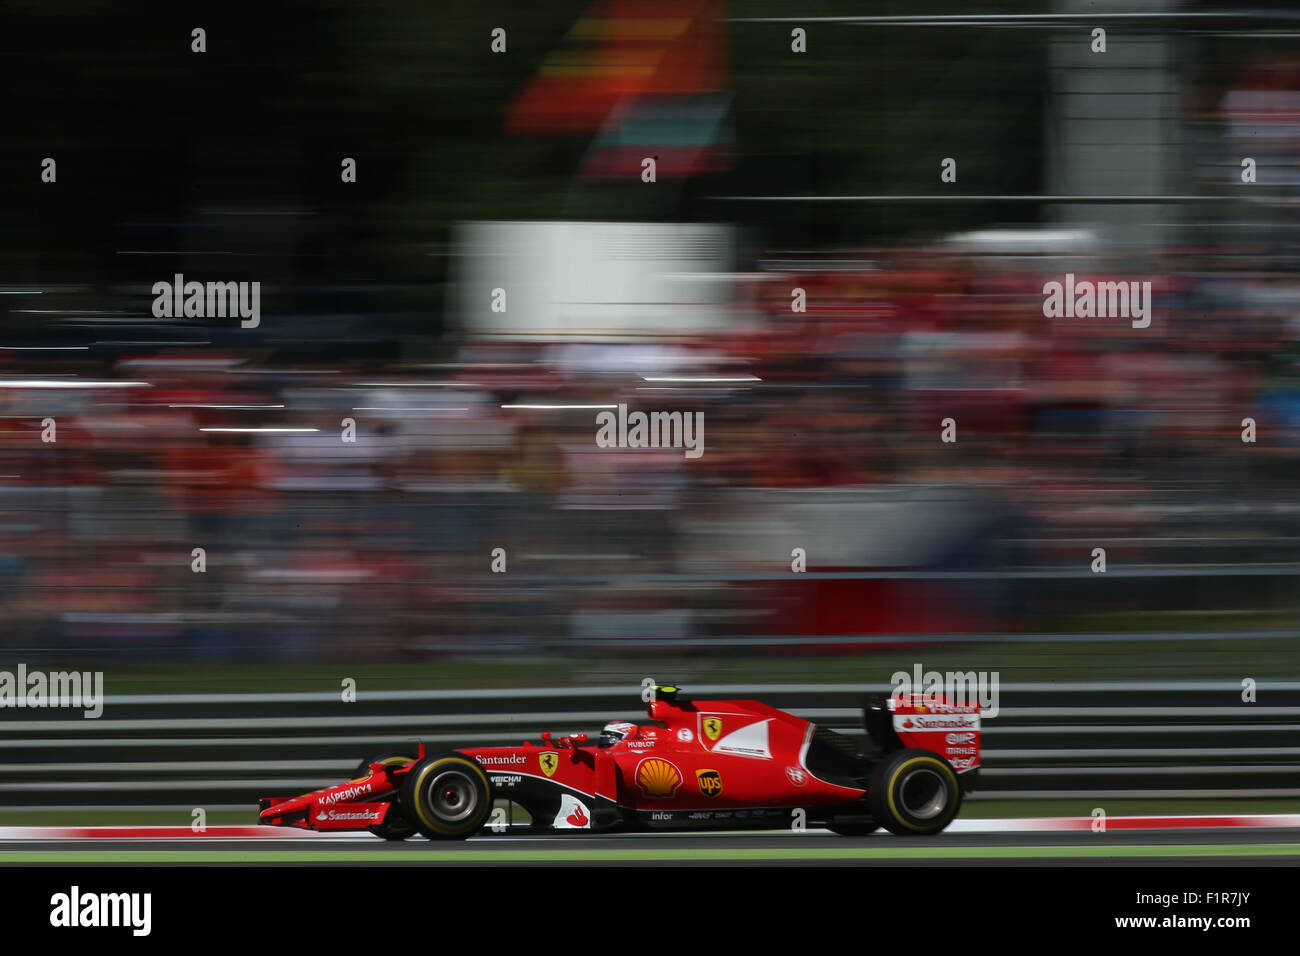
549, 761
713, 727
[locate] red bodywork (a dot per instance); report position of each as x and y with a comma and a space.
355, 805
695, 764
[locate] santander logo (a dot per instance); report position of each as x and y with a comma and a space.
370, 816
572, 815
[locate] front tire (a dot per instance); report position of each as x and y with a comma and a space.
448, 797
395, 826
913, 793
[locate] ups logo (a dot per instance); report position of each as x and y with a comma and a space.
710, 782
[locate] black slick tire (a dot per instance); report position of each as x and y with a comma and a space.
447, 797
913, 793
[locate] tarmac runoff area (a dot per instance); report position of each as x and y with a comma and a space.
1258, 840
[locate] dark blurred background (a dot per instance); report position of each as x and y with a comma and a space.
522, 170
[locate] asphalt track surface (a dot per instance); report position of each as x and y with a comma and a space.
1207, 847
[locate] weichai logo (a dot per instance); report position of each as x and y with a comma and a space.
710, 782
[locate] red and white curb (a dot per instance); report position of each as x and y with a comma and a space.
1061, 824
1007, 825
167, 833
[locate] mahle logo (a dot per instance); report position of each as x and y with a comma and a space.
710, 782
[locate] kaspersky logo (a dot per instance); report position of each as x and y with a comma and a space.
345, 796
549, 761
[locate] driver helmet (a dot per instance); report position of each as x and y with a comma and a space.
615, 731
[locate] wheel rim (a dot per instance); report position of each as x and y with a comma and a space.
453, 796
923, 794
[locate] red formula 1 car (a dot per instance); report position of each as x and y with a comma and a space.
717, 764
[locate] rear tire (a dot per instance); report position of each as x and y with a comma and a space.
448, 797
913, 792
395, 826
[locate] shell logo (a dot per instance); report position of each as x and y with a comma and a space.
657, 777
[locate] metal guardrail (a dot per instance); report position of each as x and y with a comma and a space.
1103, 739
1116, 570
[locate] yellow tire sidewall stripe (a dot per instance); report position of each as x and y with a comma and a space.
433, 823
893, 779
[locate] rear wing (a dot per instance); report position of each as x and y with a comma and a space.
926, 722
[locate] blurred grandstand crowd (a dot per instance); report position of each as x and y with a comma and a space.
1071, 434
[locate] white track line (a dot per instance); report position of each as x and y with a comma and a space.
1007, 825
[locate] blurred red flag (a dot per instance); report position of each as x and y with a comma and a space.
618, 49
